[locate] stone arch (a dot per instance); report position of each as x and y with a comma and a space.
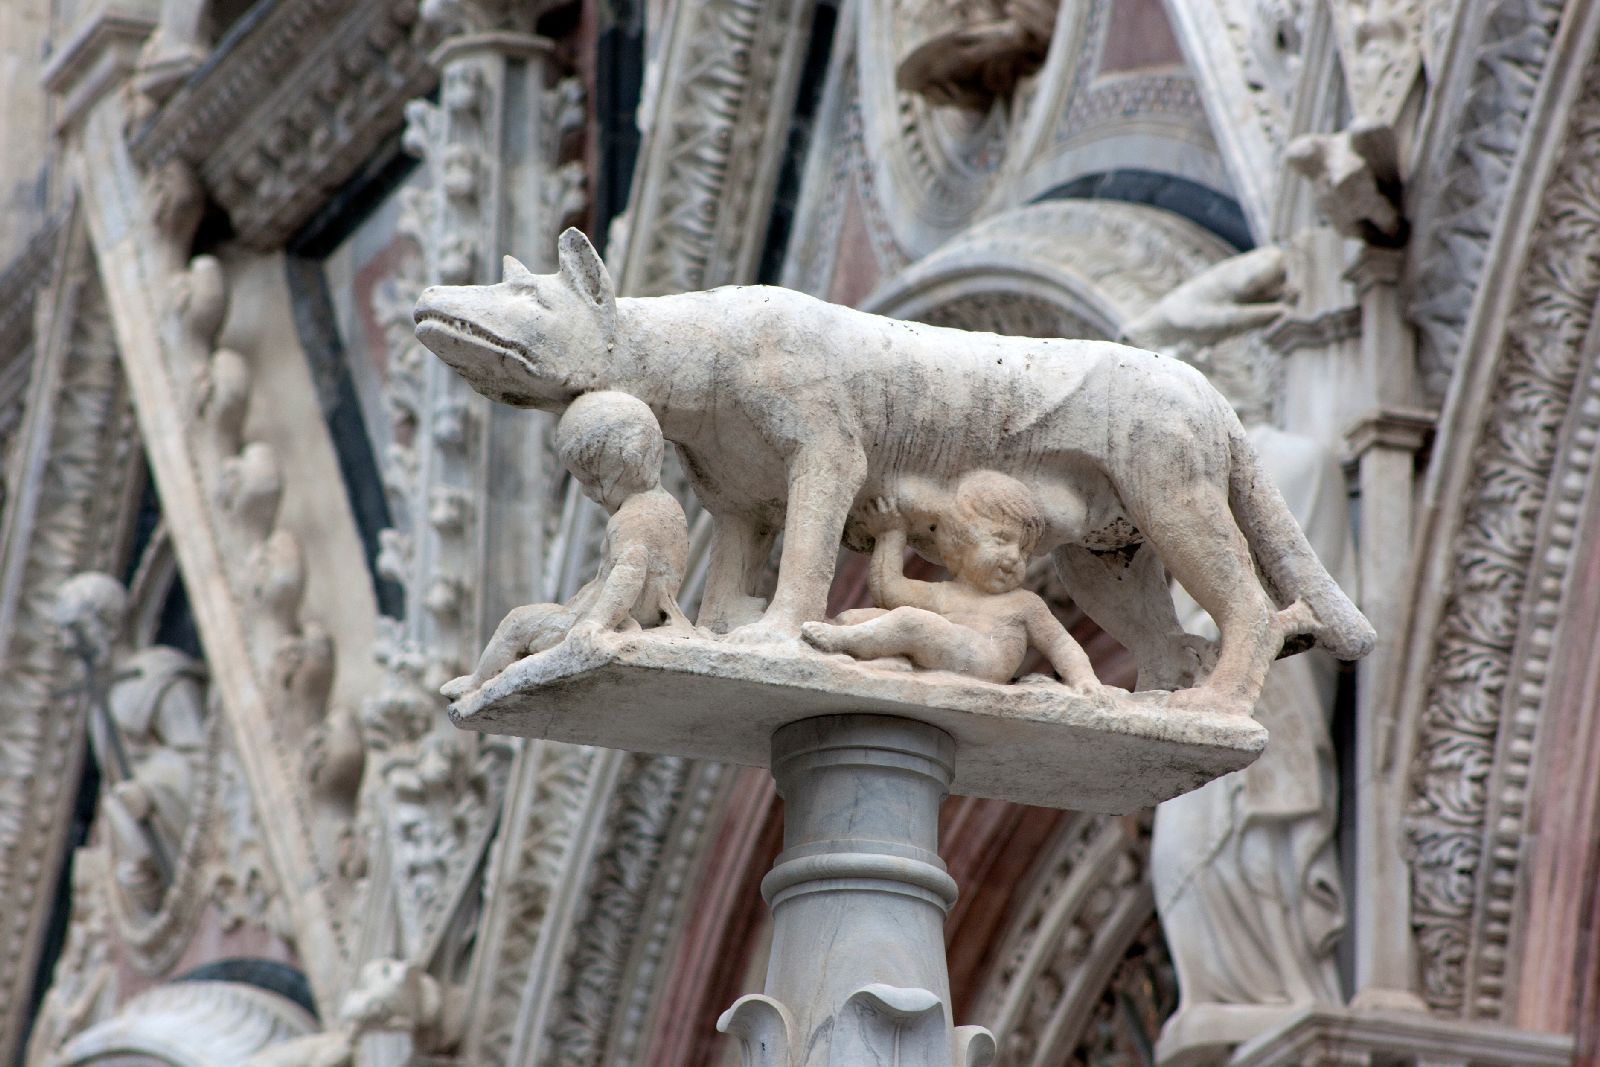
1087, 909
1490, 705
1079, 267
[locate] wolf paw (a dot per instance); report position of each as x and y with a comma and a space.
456, 688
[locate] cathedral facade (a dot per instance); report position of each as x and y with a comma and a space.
250, 525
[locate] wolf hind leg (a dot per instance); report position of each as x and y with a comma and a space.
1192, 528
1126, 594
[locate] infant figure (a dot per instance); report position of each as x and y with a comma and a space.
980, 623
612, 444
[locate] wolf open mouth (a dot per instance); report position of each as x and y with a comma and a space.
471, 333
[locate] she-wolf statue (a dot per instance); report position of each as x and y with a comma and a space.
793, 414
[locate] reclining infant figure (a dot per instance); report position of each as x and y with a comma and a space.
982, 622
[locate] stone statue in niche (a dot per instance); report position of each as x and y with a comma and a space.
148, 730
982, 622
981, 59
793, 414
1244, 868
612, 444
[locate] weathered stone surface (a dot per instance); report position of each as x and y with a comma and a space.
792, 414
1034, 743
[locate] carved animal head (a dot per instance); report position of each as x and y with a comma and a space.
532, 340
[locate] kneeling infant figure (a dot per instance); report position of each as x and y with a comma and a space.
612, 444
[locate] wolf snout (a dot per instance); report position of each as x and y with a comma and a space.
424, 303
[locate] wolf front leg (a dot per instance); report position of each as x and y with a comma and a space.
823, 482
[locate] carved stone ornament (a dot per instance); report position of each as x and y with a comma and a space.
982, 58
77, 434
1468, 168
180, 829
190, 1024
1521, 473
1356, 179
925, 166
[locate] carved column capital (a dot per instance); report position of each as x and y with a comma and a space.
1405, 429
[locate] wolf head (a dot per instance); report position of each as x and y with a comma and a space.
532, 340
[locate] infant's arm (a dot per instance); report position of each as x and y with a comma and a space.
887, 576
617, 598
1046, 634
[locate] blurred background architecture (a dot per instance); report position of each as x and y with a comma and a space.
235, 824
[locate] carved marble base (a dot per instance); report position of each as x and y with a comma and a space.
1342, 1037
1029, 743
858, 897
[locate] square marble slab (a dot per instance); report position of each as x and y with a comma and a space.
1032, 743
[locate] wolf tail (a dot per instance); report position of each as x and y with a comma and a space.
1289, 566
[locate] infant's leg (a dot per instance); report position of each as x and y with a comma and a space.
929, 640
510, 642
852, 616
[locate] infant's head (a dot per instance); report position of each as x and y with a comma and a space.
611, 442
991, 530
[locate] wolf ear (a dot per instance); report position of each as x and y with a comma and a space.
581, 266
512, 270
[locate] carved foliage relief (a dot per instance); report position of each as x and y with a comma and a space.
1479, 732
1082, 973
1467, 185
698, 208
86, 454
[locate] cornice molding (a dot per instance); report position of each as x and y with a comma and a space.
97, 57
291, 105
1336, 1035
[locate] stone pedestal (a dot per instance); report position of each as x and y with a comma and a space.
862, 758
859, 878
